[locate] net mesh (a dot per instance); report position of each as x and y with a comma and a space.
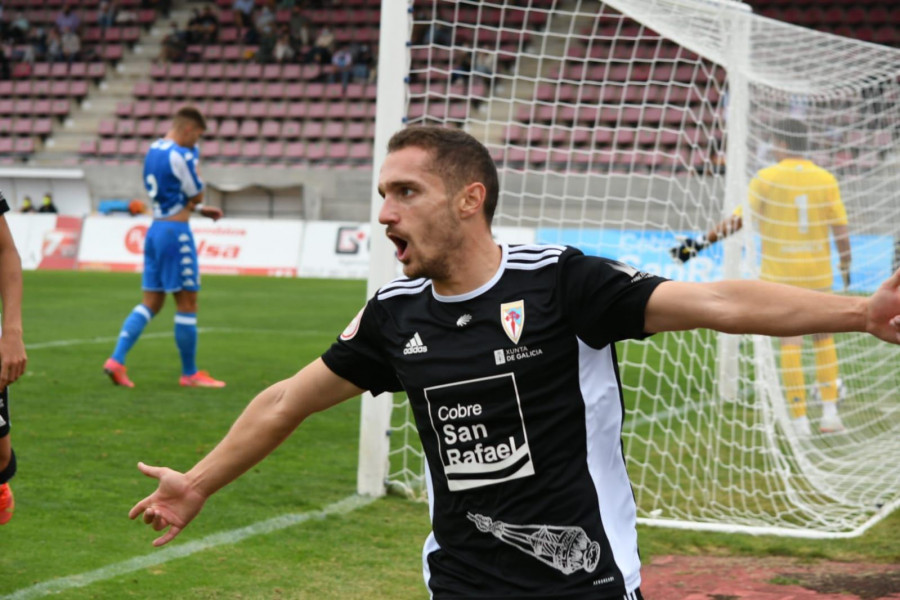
620, 126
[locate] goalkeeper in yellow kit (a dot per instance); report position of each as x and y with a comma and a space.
795, 205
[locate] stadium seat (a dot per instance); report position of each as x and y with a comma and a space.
228, 128
251, 150
291, 130
249, 129
273, 151
295, 151
270, 129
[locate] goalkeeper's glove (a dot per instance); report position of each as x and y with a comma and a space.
688, 249
845, 275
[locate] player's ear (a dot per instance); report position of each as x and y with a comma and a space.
471, 200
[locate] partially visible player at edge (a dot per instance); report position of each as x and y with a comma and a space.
12, 354
794, 205
507, 355
170, 256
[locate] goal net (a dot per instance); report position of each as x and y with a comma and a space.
622, 126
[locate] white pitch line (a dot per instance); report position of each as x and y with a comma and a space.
55, 586
111, 339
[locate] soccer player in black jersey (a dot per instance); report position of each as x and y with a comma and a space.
507, 355
12, 353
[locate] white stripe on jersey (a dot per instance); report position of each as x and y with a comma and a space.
399, 287
603, 421
182, 172
533, 256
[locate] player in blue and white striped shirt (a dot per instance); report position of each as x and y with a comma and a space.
170, 256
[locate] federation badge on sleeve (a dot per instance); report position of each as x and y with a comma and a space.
353, 327
512, 316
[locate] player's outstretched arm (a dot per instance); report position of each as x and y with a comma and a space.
764, 308
266, 422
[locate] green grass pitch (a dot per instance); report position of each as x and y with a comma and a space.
79, 438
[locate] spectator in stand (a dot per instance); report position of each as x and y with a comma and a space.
68, 20
203, 27
19, 28
484, 66
322, 48
27, 205
299, 27
71, 46
54, 45
210, 22
194, 27
284, 50
5, 67
106, 14
243, 12
363, 61
342, 61
174, 45
47, 205
462, 65
265, 20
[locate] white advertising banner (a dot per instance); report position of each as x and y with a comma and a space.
231, 246
45, 241
333, 250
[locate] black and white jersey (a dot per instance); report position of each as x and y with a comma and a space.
517, 399
4, 205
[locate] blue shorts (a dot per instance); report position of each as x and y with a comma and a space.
170, 258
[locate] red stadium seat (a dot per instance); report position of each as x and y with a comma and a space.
228, 128
106, 128
313, 130
249, 129
270, 129
295, 151
273, 151
231, 150
291, 130
278, 110
252, 150
258, 109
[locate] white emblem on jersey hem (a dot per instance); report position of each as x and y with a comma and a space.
415, 346
565, 548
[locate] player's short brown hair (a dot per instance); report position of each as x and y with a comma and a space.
457, 158
189, 114
794, 134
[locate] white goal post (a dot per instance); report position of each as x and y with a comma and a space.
619, 126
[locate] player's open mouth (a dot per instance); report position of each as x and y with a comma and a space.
401, 244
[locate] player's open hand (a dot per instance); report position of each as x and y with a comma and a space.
12, 358
883, 310
174, 504
211, 212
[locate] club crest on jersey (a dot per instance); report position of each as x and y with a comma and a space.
512, 316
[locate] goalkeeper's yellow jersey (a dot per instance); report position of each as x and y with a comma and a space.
794, 204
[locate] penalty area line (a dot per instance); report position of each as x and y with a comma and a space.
54, 586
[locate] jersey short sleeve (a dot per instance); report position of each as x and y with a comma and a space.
605, 299
357, 354
4, 205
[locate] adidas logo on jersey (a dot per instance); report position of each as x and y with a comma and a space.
415, 346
